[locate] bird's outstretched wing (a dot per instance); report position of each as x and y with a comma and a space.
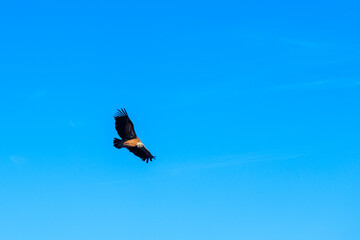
142, 153
123, 125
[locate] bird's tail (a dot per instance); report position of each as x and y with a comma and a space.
118, 143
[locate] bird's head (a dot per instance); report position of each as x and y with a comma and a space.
140, 144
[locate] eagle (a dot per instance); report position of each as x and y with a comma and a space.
129, 140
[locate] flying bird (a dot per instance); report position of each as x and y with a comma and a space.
129, 140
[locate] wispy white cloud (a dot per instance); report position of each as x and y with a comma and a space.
17, 160
38, 94
299, 86
302, 43
314, 85
356, 83
72, 124
232, 160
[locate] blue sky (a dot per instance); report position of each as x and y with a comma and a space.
252, 110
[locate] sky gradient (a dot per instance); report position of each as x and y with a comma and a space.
252, 110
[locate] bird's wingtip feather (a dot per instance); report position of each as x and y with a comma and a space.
121, 113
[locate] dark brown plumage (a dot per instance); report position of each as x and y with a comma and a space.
129, 140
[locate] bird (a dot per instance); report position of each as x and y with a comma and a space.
129, 140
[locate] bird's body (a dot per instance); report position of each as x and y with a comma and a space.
125, 129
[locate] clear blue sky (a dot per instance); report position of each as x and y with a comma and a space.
252, 110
